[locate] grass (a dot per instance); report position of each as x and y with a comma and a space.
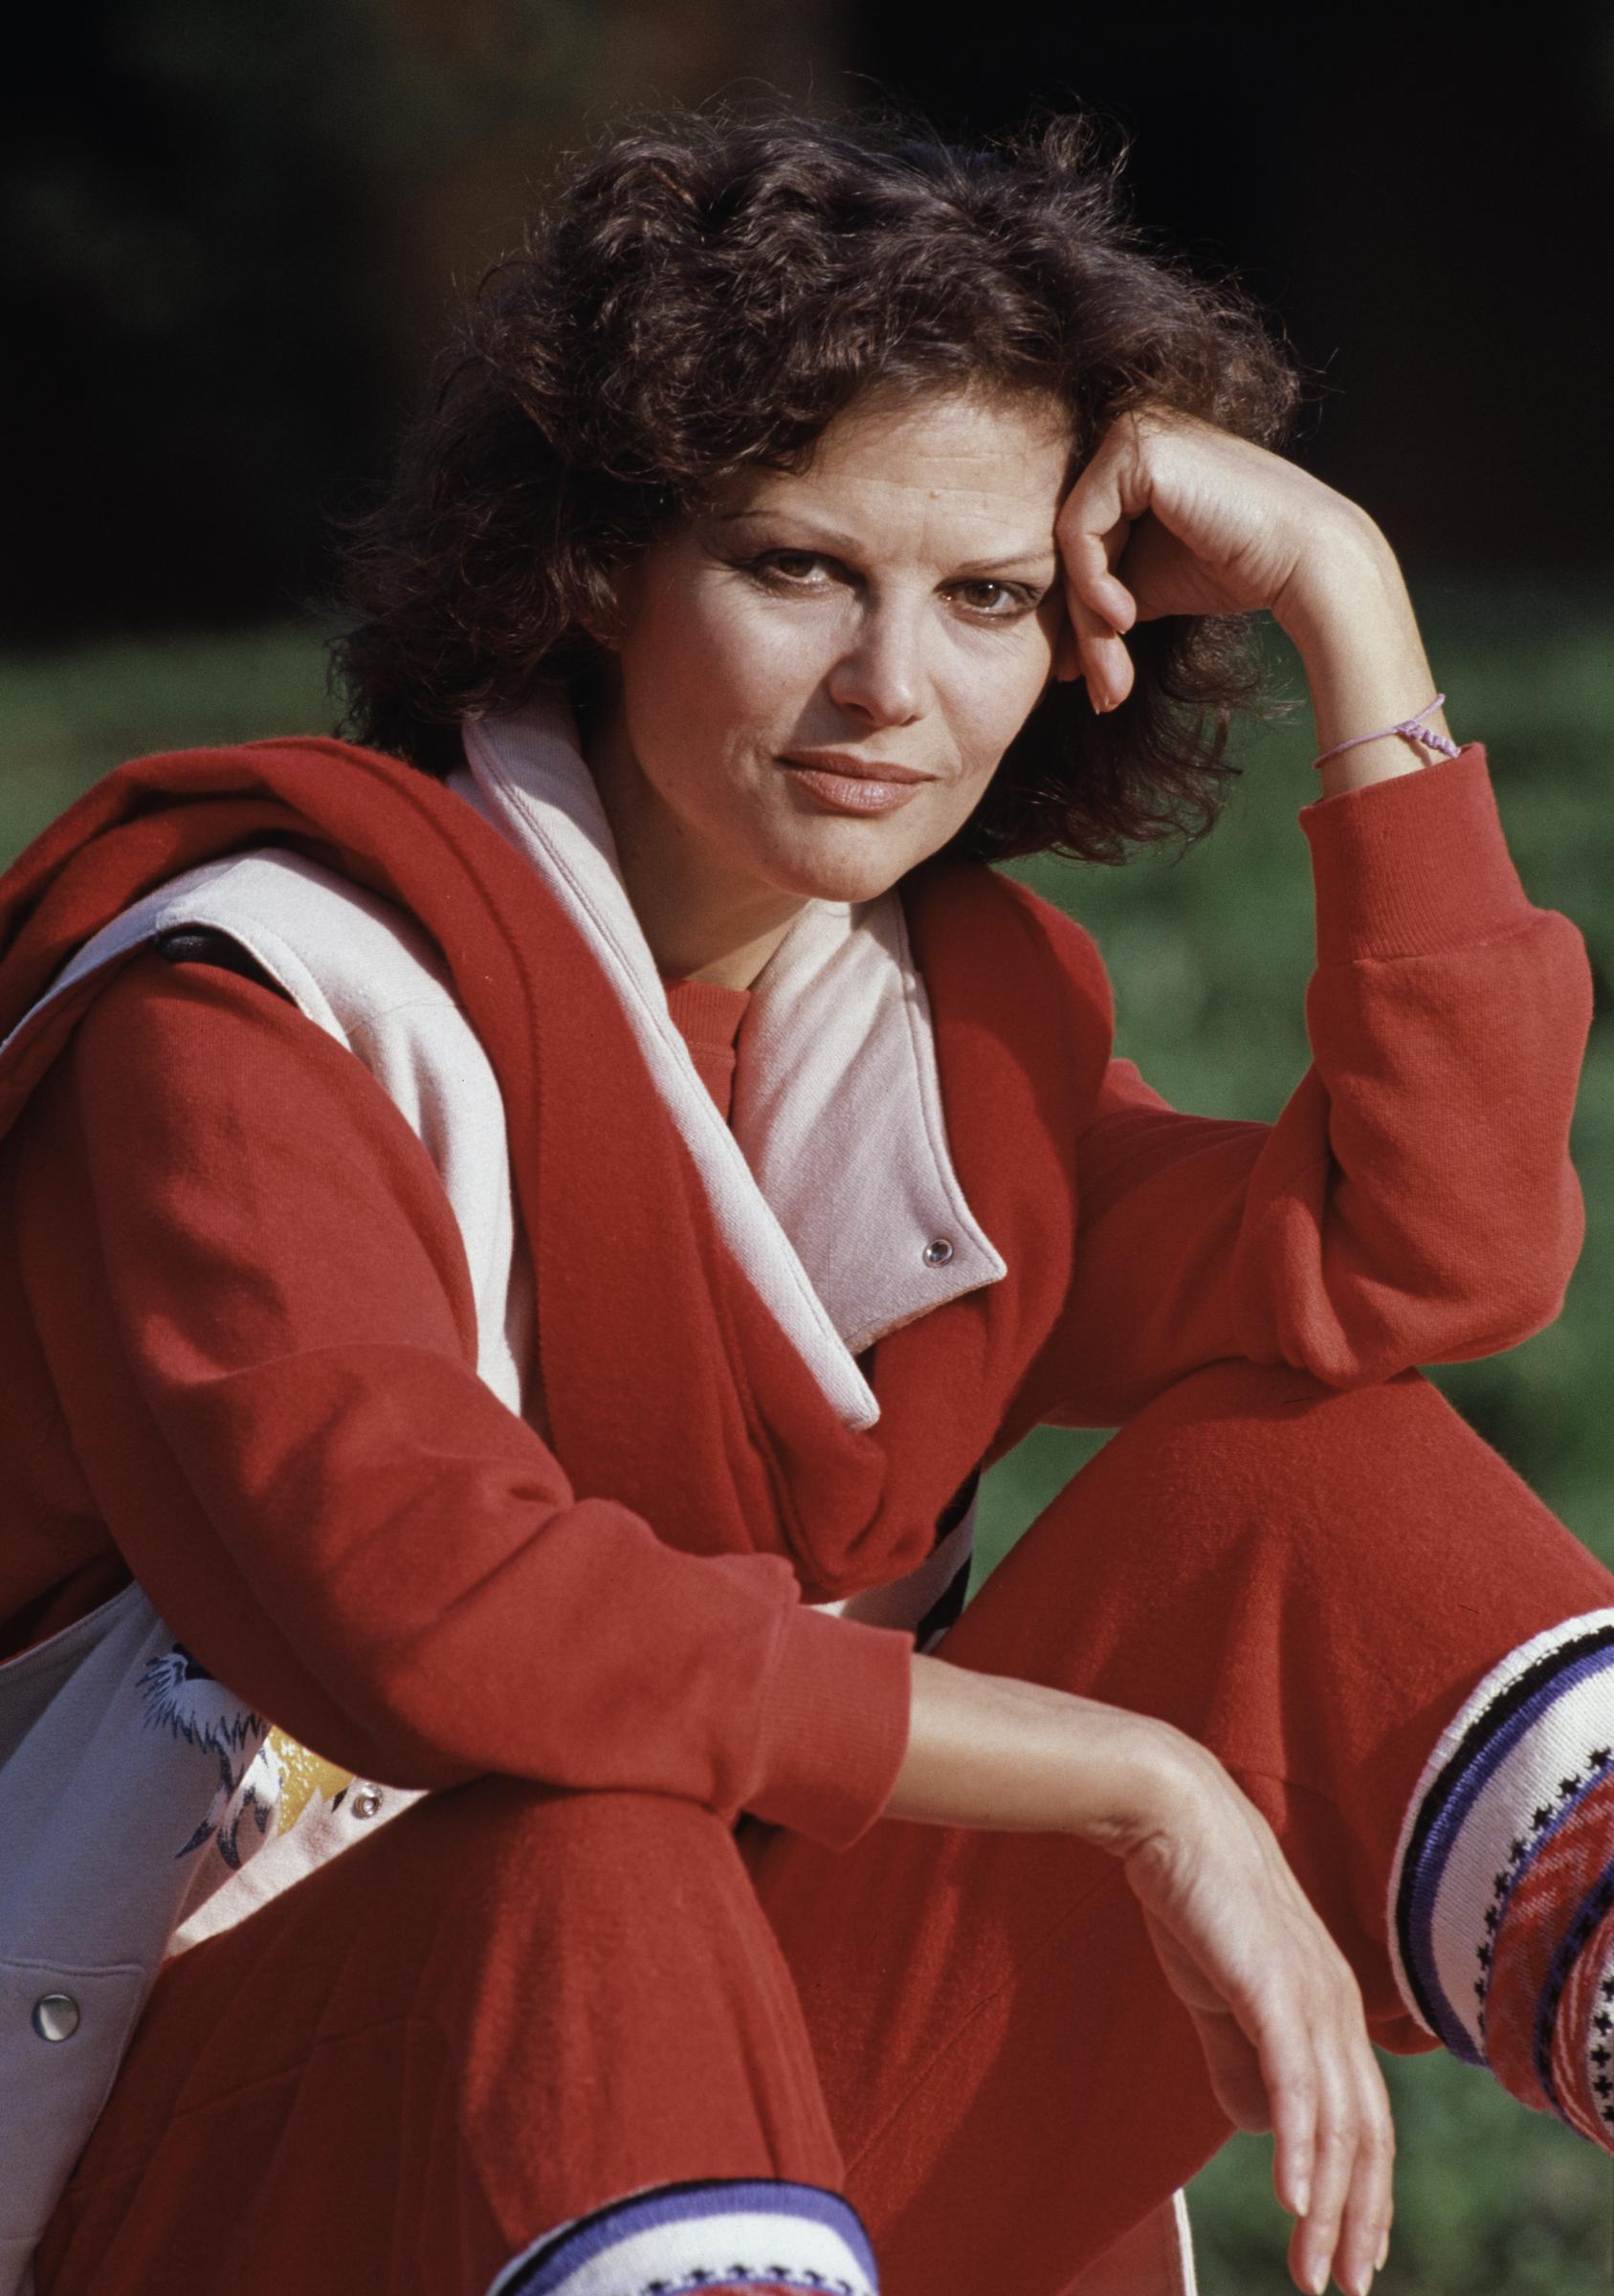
66, 718
1209, 955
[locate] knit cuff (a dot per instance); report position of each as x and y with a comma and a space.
1501, 1896
677, 2239
837, 1725
1413, 866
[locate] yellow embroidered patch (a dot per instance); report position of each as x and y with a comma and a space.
302, 1776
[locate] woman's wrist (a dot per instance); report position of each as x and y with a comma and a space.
989, 1751
1350, 618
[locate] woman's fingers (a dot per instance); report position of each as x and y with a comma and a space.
1093, 529
1331, 2151
1097, 652
1289, 2067
1279, 2016
1369, 2207
1334, 2159
1101, 659
1333, 2162
1175, 515
1092, 525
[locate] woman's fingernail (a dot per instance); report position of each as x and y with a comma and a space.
1384, 2251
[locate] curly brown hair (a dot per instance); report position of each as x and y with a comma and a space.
706, 294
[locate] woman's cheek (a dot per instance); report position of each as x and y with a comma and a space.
791, 648
743, 664
999, 717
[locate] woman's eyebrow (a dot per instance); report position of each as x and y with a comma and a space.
1030, 559
1037, 555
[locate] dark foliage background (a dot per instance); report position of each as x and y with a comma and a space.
230, 235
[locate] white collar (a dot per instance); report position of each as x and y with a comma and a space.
834, 1187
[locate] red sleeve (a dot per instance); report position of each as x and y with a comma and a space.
1414, 1202
250, 1288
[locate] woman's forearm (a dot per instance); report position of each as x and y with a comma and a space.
987, 1751
1351, 620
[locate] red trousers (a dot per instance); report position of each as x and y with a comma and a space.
513, 2005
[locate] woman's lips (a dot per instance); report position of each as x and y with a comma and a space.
845, 790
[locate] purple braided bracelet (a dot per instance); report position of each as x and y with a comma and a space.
1413, 729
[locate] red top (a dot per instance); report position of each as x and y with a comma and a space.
708, 1017
236, 1325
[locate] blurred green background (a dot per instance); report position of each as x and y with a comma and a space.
231, 239
1209, 952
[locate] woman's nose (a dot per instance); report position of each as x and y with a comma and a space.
881, 673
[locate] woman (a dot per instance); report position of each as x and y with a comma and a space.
521, 1223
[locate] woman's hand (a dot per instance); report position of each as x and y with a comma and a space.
1279, 2017
1172, 515
1275, 2005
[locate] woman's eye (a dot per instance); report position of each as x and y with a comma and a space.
997, 601
989, 601
789, 568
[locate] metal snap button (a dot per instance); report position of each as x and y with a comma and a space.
367, 1801
55, 2017
938, 1252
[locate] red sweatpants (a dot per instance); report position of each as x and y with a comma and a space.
512, 2005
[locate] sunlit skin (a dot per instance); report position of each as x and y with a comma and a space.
897, 605
896, 608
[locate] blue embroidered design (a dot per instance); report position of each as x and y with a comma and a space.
183, 1698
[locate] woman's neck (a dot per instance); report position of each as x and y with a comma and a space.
730, 964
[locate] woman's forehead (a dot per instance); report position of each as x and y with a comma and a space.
943, 464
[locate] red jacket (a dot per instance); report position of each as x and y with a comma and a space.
237, 1341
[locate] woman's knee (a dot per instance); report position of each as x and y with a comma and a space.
1387, 1475
565, 1859
513, 1819
544, 1934
1247, 1428
1362, 1547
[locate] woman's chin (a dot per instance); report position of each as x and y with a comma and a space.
857, 867
850, 883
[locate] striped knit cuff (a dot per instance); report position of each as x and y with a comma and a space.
1502, 1890
675, 2240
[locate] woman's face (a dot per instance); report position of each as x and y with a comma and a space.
820, 675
